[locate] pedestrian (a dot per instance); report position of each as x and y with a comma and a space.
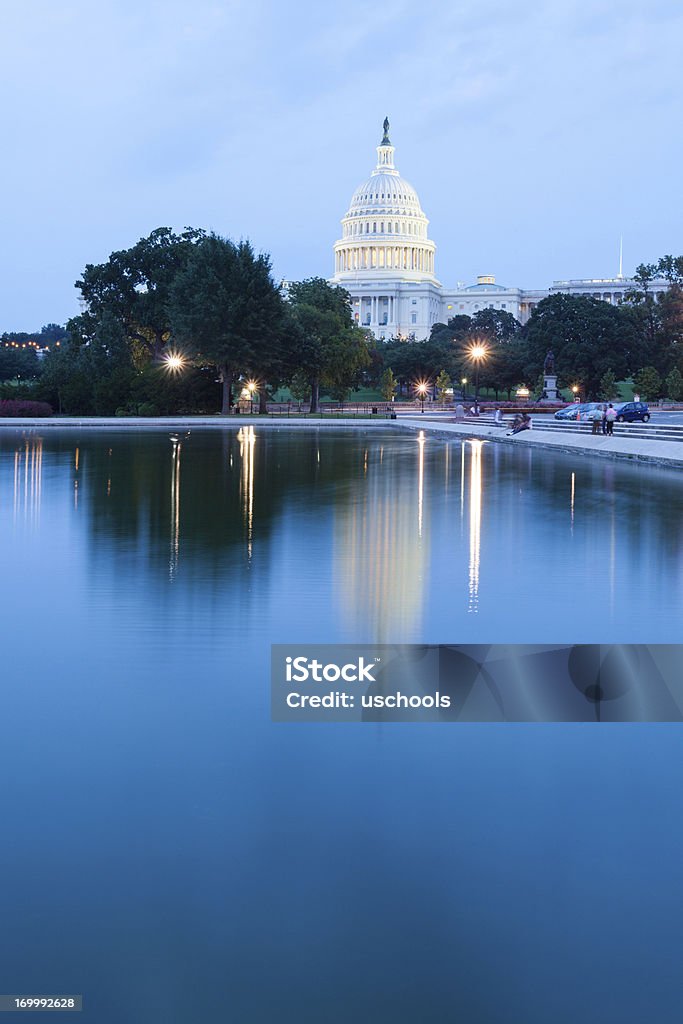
610, 417
498, 418
596, 416
604, 419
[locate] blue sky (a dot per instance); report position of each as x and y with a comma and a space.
535, 132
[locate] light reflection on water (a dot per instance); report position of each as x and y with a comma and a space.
200, 849
545, 544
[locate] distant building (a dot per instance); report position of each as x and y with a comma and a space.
386, 261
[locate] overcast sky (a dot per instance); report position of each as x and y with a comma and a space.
534, 132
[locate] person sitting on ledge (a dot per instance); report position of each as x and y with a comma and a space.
520, 423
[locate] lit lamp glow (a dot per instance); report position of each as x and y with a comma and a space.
421, 389
251, 387
174, 362
477, 353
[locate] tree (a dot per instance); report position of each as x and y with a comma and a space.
608, 386
224, 305
89, 374
588, 337
300, 388
674, 385
647, 383
17, 362
456, 329
443, 383
495, 325
134, 288
332, 350
388, 385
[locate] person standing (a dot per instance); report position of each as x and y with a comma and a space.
610, 417
604, 419
597, 419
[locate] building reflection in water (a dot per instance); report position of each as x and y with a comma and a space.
381, 551
247, 441
28, 480
475, 523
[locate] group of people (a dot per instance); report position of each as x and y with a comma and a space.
603, 419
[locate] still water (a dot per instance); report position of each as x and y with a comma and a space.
175, 857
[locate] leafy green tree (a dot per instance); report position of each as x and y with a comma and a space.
647, 383
443, 383
90, 374
332, 350
224, 306
18, 362
674, 385
300, 388
608, 386
388, 385
134, 288
457, 328
495, 325
671, 268
588, 337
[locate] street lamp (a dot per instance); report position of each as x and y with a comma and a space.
477, 353
421, 389
251, 388
464, 385
575, 392
174, 361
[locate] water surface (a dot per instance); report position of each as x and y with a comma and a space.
173, 855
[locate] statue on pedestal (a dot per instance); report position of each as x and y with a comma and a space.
549, 378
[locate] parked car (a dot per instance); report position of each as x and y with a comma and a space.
627, 412
577, 411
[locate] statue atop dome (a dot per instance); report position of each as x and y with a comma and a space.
386, 141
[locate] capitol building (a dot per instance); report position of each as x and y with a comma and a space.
386, 261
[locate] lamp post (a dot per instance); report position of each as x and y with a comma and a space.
251, 388
421, 389
575, 392
477, 353
463, 382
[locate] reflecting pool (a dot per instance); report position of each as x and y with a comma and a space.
175, 857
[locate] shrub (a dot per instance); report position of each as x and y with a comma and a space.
14, 407
147, 409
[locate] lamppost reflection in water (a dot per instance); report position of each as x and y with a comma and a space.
247, 440
28, 480
175, 506
475, 523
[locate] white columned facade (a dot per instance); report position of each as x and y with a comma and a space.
385, 258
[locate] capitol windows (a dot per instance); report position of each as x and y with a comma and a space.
413, 318
389, 227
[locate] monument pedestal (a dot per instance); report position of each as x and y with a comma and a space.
550, 386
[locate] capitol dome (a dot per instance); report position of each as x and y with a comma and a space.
384, 230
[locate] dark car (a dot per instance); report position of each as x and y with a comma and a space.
627, 412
